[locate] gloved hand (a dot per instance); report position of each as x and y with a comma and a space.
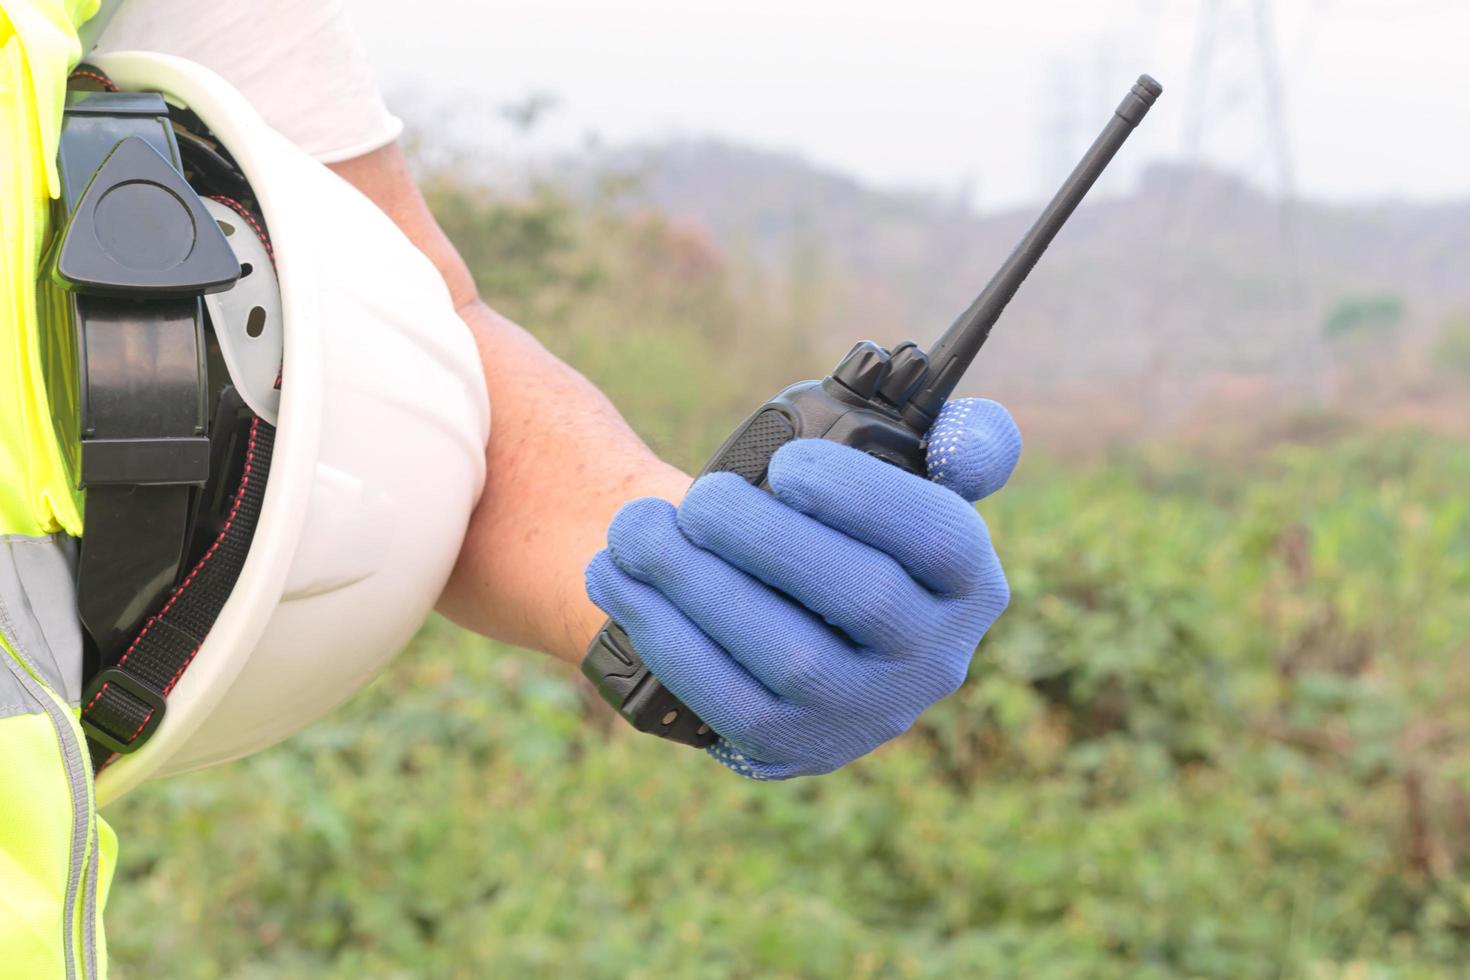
811, 625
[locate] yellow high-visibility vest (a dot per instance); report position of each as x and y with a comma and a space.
56, 854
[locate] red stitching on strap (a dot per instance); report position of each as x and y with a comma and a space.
95, 76
174, 596
244, 212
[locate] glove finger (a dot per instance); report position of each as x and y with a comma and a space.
803, 748
851, 585
937, 537
694, 667
973, 447
790, 651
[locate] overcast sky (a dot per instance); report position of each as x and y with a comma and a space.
1370, 98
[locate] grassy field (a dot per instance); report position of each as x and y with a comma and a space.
1220, 732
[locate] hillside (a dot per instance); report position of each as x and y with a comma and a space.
1189, 283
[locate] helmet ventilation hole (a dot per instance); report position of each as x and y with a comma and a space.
245, 269
255, 322
226, 227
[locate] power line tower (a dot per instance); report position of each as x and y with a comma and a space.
1236, 115
1236, 80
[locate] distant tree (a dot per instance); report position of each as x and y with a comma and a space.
1358, 315
1362, 334
524, 114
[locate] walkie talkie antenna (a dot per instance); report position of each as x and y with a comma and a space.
954, 351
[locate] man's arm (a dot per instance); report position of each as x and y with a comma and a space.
559, 464
806, 626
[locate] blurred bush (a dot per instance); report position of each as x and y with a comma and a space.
1220, 732
1451, 352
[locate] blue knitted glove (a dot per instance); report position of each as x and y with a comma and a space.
810, 625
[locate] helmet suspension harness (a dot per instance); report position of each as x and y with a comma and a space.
173, 459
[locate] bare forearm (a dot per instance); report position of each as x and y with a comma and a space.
559, 464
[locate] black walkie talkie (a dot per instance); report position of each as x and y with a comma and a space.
879, 401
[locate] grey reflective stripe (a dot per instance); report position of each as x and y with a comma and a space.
38, 609
38, 617
77, 774
89, 903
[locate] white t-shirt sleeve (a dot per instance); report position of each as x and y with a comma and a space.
298, 62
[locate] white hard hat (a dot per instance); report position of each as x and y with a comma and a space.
378, 461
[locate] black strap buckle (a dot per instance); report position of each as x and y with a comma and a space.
116, 694
145, 462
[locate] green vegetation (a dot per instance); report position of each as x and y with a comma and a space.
1364, 314
1220, 733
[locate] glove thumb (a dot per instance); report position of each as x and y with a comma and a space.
973, 447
